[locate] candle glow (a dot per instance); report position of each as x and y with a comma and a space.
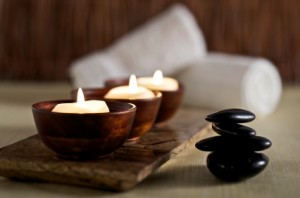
158, 82
132, 91
133, 87
80, 97
81, 106
157, 77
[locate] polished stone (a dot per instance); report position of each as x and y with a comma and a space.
233, 129
236, 166
231, 116
232, 143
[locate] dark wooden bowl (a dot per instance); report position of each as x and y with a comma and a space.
83, 136
146, 112
170, 103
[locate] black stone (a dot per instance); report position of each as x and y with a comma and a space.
236, 166
231, 116
233, 143
233, 129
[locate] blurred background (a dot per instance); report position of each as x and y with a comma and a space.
40, 38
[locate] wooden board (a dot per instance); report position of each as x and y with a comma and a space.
29, 159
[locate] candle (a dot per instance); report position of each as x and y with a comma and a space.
158, 82
133, 91
82, 106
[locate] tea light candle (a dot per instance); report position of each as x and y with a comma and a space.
158, 82
133, 91
82, 106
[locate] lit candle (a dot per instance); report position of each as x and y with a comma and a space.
82, 106
158, 82
133, 91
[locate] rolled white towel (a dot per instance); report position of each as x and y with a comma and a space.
222, 81
92, 70
167, 42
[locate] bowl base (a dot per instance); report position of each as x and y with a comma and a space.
160, 124
81, 158
132, 139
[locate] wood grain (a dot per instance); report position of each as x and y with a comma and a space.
29, 159
39, 39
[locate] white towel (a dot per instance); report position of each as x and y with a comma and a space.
92, 70
168, 42
222, 81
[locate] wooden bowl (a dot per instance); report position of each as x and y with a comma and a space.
83, 136
146, 112
170, 103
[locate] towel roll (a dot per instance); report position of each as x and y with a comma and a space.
92, 70
167, 42
222, 81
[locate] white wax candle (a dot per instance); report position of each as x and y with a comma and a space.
158, 82
82, 106
133, 91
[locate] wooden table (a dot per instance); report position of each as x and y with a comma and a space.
185, 175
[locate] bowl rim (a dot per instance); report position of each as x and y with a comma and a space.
36, 109
180, 89
180, 85
158, 95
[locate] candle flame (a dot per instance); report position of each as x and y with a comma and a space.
133, 87
80, 97
157, 78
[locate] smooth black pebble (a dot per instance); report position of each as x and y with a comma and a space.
231, 116
235, 167
233, 129
238, 144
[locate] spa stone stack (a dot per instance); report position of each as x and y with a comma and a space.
234, 155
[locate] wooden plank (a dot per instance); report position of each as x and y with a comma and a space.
29, 159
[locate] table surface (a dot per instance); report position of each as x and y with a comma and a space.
185, 175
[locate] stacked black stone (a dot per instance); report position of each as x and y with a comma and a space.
233, 154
